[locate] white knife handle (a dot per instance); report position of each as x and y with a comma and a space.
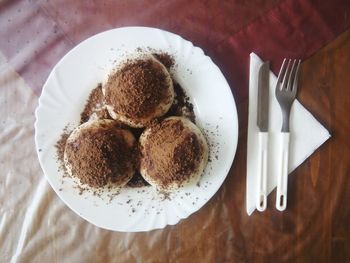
282, 176
261, 201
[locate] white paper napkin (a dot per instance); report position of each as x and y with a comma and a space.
306, 135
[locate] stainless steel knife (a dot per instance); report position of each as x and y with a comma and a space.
263, 124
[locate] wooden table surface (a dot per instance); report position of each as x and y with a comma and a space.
314, 228
316, 225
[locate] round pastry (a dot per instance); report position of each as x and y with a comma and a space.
174, 153
139, 91
99, 153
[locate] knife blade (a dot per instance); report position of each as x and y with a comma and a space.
263, 124
263, 97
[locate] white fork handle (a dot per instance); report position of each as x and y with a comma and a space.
282, 176
261, 200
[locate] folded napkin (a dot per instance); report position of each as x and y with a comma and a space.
306, 135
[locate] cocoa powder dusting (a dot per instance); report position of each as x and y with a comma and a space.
137, 181
99, 157
172, 152
60, 147
181, 106
94, 105
137, 88
166, 59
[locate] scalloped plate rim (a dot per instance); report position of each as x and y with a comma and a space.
37, 111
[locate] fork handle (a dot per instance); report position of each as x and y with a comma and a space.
261, 199
282, 176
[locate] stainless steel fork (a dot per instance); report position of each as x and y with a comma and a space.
286, 90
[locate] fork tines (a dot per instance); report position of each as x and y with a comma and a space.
289, 74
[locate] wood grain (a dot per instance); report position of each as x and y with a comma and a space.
316, 225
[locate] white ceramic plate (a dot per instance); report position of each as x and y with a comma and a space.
64, 96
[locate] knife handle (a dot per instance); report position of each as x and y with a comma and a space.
282, 176
261, 201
